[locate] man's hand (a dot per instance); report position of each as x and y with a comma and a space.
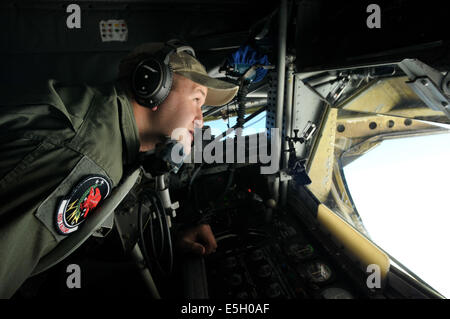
199, 240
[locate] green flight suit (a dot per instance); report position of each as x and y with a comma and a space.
50, 137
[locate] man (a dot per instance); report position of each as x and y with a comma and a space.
65, 147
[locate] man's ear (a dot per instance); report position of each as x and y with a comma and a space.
154, 108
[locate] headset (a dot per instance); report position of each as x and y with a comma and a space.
152, 77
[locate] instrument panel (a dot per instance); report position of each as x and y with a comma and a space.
275, 260
263, 251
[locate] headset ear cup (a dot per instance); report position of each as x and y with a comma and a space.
166, 84
153, 77
151, 82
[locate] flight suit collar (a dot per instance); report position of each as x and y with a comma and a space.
129, 128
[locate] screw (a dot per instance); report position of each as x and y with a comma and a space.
341, 128
391, 124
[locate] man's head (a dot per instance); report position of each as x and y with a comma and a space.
181, 111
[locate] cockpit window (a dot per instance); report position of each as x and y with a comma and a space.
380, 162
399, 190
255, 125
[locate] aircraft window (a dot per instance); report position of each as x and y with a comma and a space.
255, 125
400, 190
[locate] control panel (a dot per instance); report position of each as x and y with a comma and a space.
276, 261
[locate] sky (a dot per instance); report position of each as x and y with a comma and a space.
401, 190
256, 125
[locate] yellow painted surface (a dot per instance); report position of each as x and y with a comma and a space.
392, 97
383, 96
321, 163
358, 245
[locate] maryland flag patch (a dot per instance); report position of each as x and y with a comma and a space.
83, 199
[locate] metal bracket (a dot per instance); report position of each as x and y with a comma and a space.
309, 130
307, 134
281, 176
446, 84
284, 176
173, 207
429, 84
430, 94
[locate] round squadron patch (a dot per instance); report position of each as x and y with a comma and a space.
83, 199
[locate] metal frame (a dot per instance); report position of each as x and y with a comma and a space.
429, 84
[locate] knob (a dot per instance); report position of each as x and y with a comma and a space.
230, 262
274, 290
235, 279
257, 255
299, 252
264, 271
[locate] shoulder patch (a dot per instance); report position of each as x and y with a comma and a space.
72, 201
83, 199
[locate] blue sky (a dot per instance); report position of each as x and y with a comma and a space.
258, 124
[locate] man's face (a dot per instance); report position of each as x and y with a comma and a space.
181, 110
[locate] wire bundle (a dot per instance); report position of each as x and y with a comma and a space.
157, 251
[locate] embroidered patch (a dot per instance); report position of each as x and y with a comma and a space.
83, 199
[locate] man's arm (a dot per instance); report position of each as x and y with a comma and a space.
29, 180
34, 161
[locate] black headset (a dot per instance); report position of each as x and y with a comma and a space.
152, 77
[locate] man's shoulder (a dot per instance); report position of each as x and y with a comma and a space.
55, 98
79, 98
53, 92
28, 93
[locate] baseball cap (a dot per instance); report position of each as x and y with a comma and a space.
182, 63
